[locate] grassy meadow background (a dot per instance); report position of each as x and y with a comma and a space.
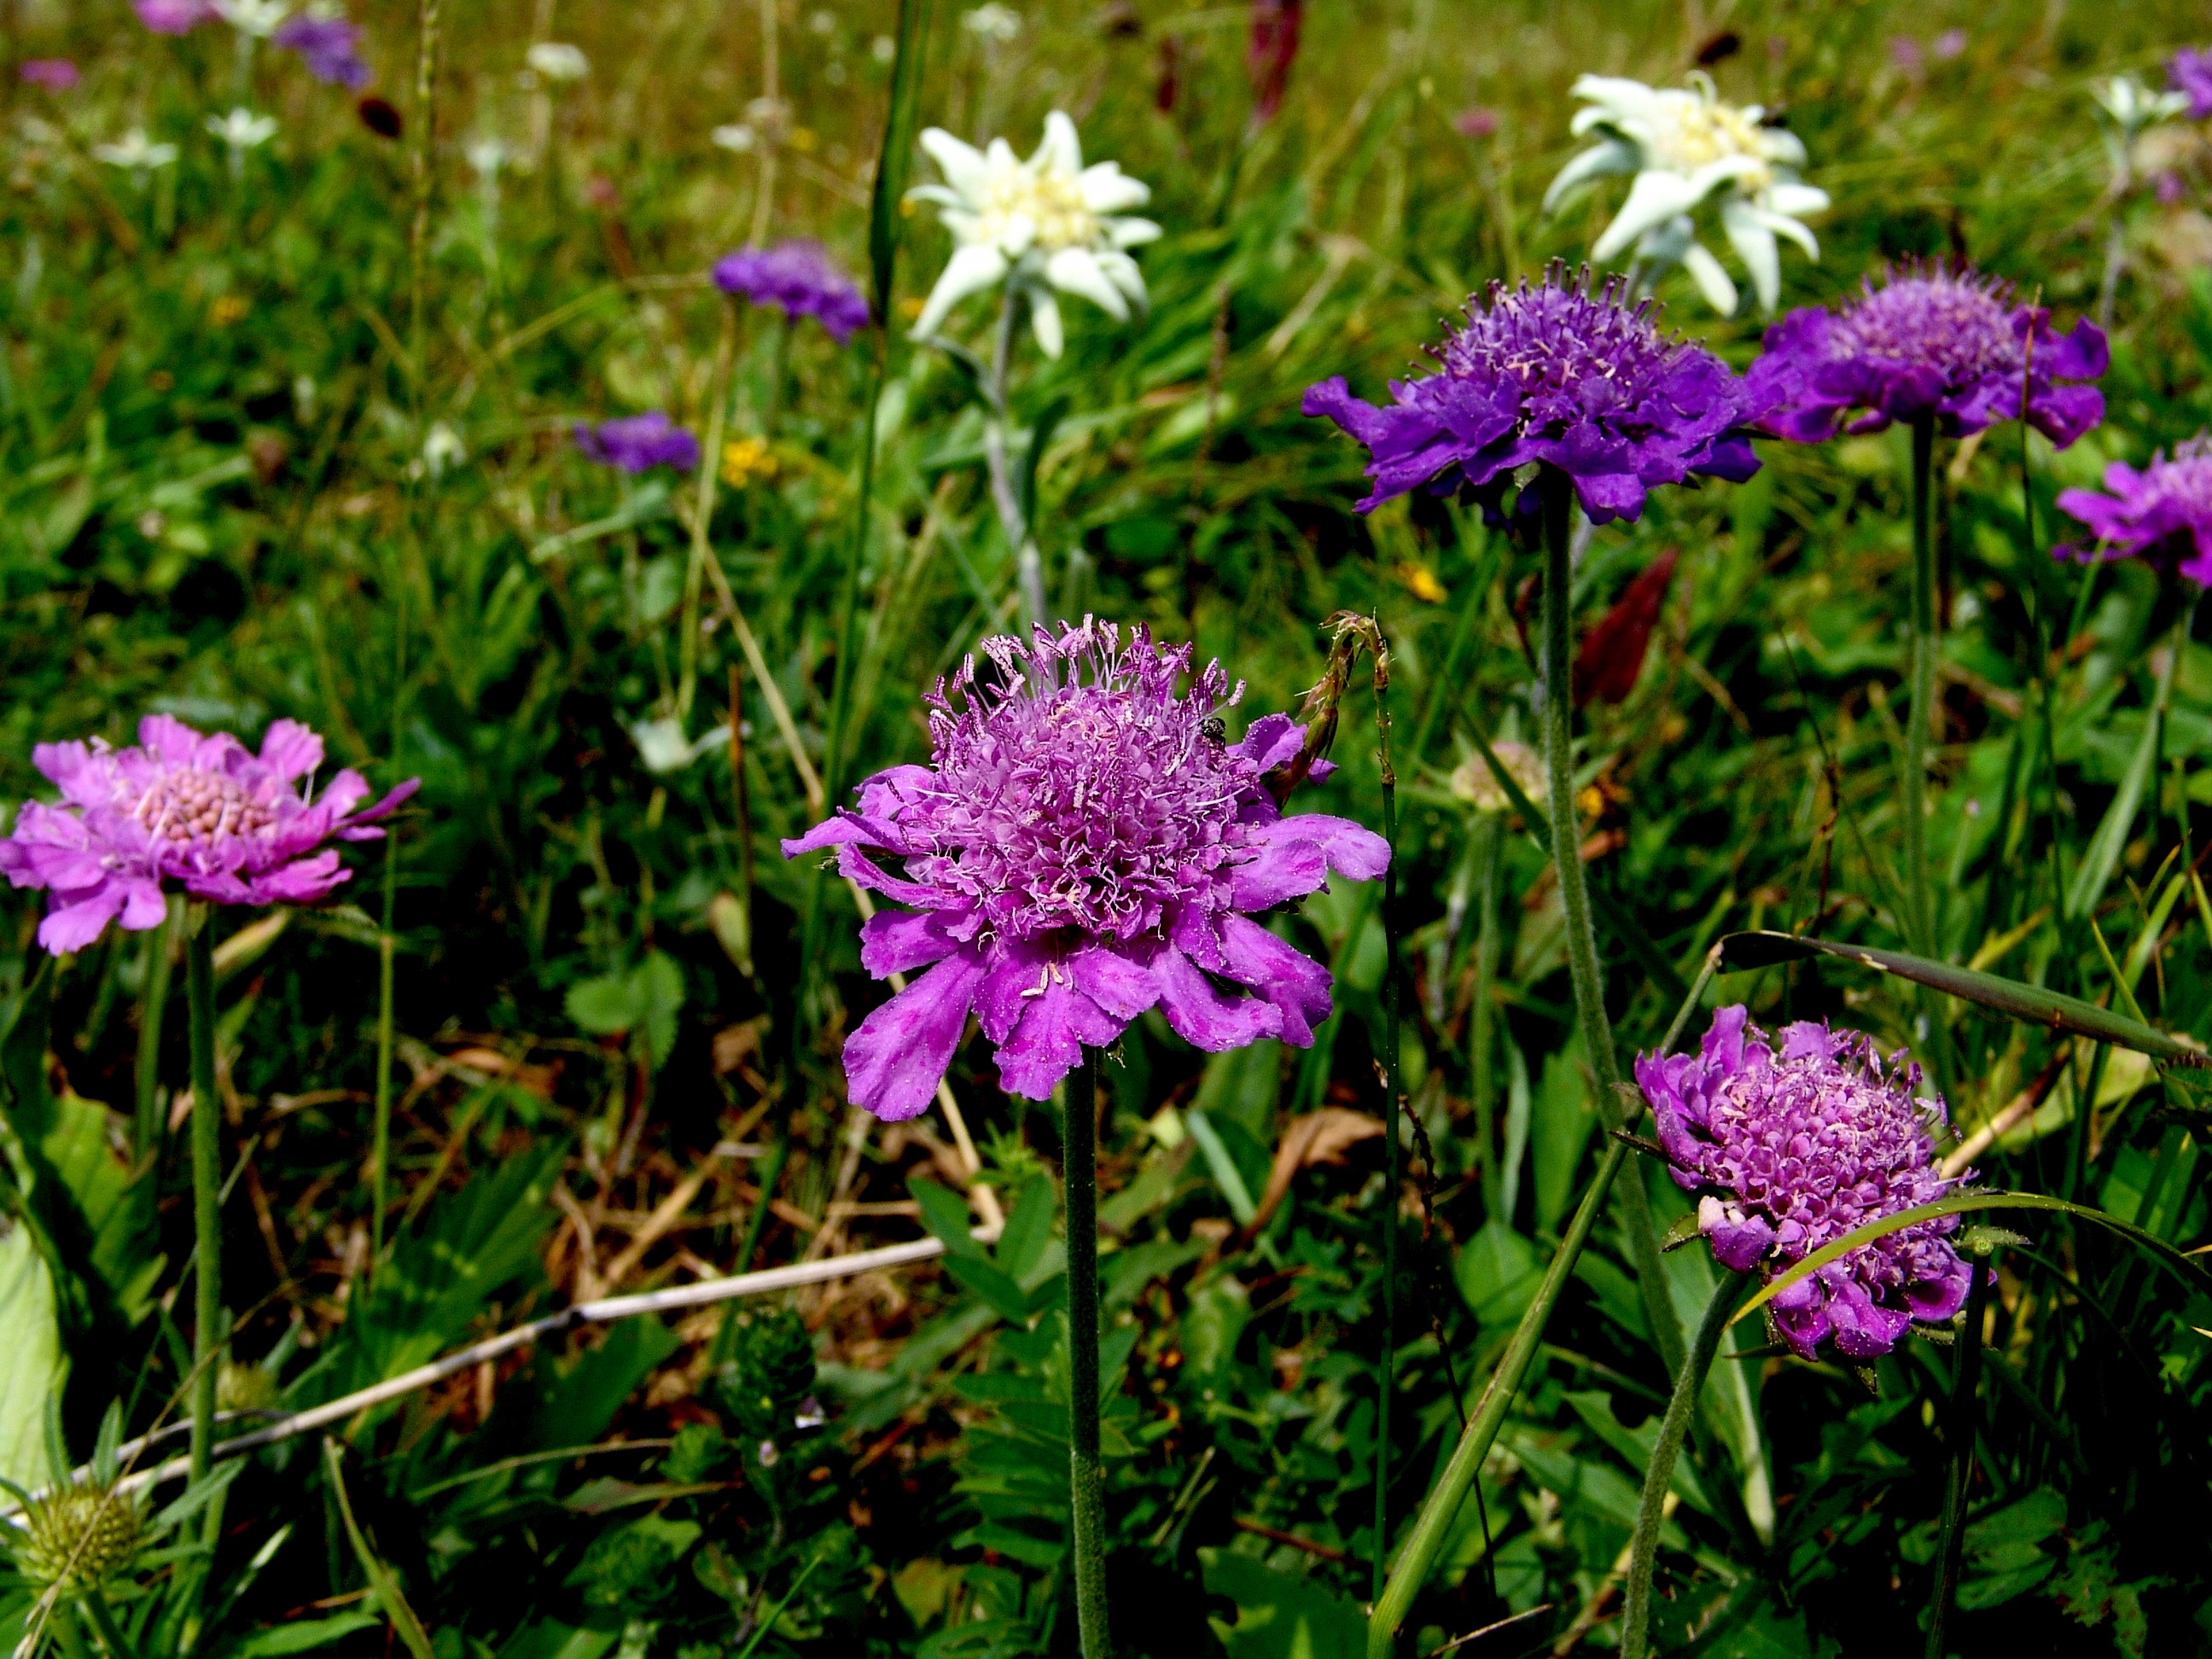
244, 475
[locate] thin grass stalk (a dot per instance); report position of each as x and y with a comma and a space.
695, 572
1086, 1476
153, 1008
1483, 1057
207, 1186
1959, 1425
1393, 1084
424, 170
1659, 1474
1921, 923
1574, 897
380, 1157
1440, 1510
771, 141
771, 1173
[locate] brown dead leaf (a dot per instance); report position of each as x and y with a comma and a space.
1322, 1137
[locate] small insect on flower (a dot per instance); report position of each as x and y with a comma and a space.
1788, 1150
639, 443
181, 811
800, 279
1082, 847
2162, 513
1046, 223
1934, 340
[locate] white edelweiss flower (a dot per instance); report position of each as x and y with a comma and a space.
1048, 222
992, 21
259, 18
242, 129
1685, 148
133, 151
556, 60
663, 747
2134, 106
441, 448
737, 137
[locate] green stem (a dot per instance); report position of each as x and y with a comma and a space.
153, 1007
1441, 1508
103, 1621
1392, 1083
1491, 852
380, 1153
206, 1189
1644, 1547
695, 572
1959, 1425
1087, 1503
1921, 923
834, 758
1574, 898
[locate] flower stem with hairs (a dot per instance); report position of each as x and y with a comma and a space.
1921, 924
1087, 1503
1659, 1474
1959, 1426
207, 1185
1440, 1510
1392, 1083
1574, 897
153, 1007
1028, 562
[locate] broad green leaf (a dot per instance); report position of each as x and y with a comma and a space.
30, 1367
1565, 1116
1279, 1616
945, 1214
2102, 855
2030, 1004
1221, 1166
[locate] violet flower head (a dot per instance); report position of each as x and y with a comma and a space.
54, 74
331, 47
1928, 340
1083, 847
1788, 1151
1555, 373
181, 811
2189, 72
2162, 513
174, 16
800, 277
639, 443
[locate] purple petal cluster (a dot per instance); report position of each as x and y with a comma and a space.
1928, 340
174, 16
1791, 1151
2189, 72
802, 278
1558, 374
202, 814
639, 443
54, 74
1084, 845
331, 47
2162, 513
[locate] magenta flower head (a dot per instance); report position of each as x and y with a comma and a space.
174, 16
183, 813
1083, 847
1931, 340
331, 47
54, 74
639, 443
2162, 513
800, 277
1788, 1151
2189, 72
1560, 375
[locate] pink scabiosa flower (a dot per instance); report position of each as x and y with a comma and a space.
639, 443
183, 813
174, 16
331, 47
1788, 1151
1554, 374
801, 278
2189, 72
1083, 847
54, 74
2162, 513
1929, 340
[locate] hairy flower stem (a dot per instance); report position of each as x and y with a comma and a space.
1921, 923
1650, 1513
153, 1008
1574, 898
1491, 852
1028, 562
1959, 1427
207, 1186
1440, 1510
702, 515
421, 162
1087, 1502
1393, 1099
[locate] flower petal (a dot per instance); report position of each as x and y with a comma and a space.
969, 270
1712, 282
1202, 1015
895, 1061
1654, 198
1296, 984
1073, 271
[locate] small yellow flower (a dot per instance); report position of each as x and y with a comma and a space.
228, 309
745, 460
1421, 582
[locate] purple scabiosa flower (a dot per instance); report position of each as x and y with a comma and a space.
639, 443
802, 278
174, 16
1929, 340
1788, 1151
183, 811
2189, 72
2162, 513
331, 47
1083, 847
54, 74
1558, 374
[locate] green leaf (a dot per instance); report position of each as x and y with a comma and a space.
2102, 856
1005, 1297
381, 1579
1566, 1115
896, 162
31, 1363
945, 1214
1221, 1166
2029, 1003
1279, 1616
302, 1634
1028, 1228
